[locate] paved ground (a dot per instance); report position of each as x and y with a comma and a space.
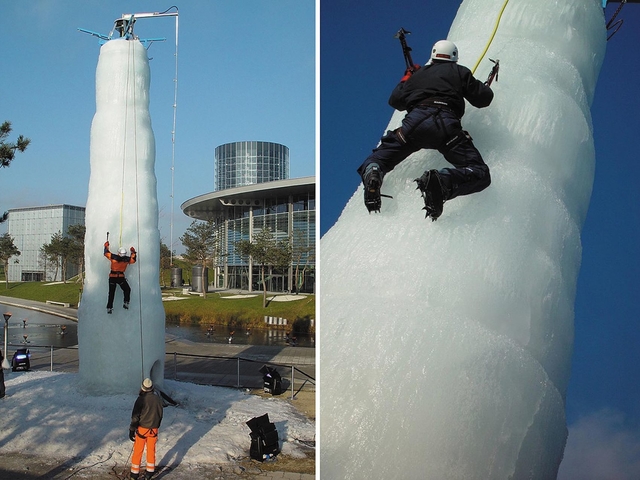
234, 366
33, 467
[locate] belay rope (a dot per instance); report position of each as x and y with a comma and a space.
493, 34
137, 201
493, 74
135, 133
131, 72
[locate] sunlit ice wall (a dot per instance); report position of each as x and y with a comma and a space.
117, 351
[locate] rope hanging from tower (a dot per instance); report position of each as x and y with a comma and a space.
124, 26
137, 204
614, 24
493, 34
131, 93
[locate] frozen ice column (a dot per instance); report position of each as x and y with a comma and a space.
118, 351
446, 346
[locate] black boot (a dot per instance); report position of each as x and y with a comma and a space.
372, 180
430, 185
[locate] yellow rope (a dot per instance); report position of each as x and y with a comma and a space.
493, 34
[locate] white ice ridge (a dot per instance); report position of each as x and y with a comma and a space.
446, 346
117, 351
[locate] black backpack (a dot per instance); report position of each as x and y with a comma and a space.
264, 438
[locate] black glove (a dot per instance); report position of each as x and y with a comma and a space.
133, 250
132, 435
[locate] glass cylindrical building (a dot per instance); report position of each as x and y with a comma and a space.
239, 164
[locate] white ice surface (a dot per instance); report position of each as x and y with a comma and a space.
46, 414
449, 343
117, 351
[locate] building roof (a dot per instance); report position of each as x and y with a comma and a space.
213, 204
47, 207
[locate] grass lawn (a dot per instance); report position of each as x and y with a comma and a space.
236, 312
41, 292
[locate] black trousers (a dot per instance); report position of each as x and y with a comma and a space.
434, 128
126, 289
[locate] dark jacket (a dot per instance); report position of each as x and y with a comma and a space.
445, 82
147, 411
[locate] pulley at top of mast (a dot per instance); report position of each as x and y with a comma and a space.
124, 27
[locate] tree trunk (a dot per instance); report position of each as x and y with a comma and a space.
205, 285
264, 288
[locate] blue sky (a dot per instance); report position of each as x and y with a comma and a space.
247, 71
361, 62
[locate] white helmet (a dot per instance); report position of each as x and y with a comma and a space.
122, 251
444, 50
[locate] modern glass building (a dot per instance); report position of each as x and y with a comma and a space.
246, 163
33, 227
286, 207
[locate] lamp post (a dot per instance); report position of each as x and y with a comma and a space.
5, 362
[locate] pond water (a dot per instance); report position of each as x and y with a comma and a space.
32, 328
223, 334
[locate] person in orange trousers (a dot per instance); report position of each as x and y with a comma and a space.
143, 431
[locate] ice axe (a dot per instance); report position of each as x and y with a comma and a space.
406, 49
493, 73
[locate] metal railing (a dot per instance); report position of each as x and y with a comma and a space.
235, 372
42, 357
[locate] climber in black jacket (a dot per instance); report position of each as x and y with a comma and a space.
434, 98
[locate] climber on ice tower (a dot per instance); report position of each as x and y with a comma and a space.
434, 98
119, 263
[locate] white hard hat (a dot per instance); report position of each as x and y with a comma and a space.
147, 385
444, 50
122, 251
